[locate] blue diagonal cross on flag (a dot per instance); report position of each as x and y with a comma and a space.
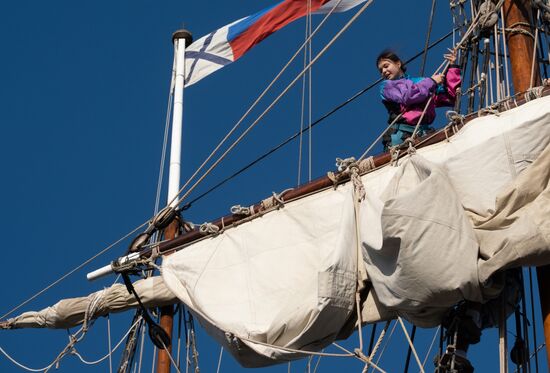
229, 43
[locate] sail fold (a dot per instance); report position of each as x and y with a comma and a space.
434, 229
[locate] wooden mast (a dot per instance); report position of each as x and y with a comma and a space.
521, 44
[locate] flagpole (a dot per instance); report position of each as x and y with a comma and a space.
181, 39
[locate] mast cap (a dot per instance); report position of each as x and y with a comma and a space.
183, 34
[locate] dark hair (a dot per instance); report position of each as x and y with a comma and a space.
388, 54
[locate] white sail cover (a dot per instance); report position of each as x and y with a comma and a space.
287, 279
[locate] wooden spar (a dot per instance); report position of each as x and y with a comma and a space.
320, 183
167, 314
518, 16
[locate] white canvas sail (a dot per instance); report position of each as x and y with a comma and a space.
287, 280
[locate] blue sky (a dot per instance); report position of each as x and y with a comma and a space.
83, 100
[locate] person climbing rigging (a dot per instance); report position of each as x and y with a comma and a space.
410, 100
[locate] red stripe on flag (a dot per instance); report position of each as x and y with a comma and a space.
275, 19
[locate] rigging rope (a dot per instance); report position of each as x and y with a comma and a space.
411, 345
245, 115
276, 100
428, 34
77, 268
294, 136
72, 351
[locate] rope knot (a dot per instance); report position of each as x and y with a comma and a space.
209, 228
241, 210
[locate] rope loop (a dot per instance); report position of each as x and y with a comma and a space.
241, 210
209, 228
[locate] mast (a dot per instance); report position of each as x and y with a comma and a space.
180, 38
520, 44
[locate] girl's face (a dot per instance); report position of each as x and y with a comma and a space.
389, 69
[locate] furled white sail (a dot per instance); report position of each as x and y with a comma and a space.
433, 229
71, 312
262, 282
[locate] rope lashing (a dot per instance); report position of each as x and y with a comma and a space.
241, 210
209, 228
533, 93
514, 29
275, 200
349, 166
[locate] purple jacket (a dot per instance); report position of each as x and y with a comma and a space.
409, 96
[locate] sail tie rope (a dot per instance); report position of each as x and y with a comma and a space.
209, 228
241, 210
395, 153
276, 200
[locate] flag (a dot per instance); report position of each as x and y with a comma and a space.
229, 43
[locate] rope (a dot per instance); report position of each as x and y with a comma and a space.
377, 345
74, 352
79, 267
245, 115
386, 343
428, 34
534, 57
165, 138
294, 136
209, 228
276, 100
69, 349
413, 349
241, 210
358, 354
431, 346
170, 356
220, 360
